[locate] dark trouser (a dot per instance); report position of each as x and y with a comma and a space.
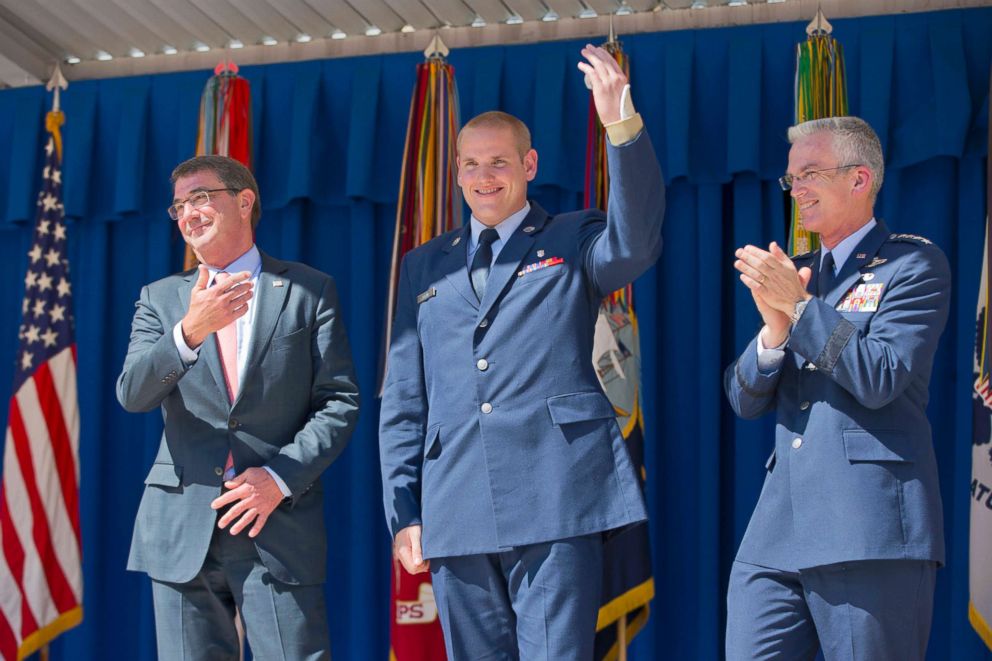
871, 610
195, 620
537, 602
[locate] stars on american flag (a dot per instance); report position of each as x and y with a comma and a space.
47, 307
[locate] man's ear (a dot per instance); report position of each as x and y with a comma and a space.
863, 178
247, 201
530, 164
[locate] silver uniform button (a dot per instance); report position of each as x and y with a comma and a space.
218, 470
487, 407
483, 364
797, 443
483, 323
804, 406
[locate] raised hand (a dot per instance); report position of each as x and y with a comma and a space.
775, 285
607, 80
213, 308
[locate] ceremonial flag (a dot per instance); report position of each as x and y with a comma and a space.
980, 546
821, 91
628, 582
41, 580
224, 127
429, 205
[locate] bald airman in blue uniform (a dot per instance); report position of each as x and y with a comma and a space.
502, 460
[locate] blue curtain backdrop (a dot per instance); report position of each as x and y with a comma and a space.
328, 149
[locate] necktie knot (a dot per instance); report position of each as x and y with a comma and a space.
489, 236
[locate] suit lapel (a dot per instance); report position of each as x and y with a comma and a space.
208, 350
509, 258
269, 297
850, 273
454, 265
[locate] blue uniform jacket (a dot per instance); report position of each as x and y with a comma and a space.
853, 475
494, 430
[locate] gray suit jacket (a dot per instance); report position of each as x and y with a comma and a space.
295, 411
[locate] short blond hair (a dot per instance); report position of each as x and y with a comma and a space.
496, 119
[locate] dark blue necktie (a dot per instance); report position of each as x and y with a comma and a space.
826, 281
482, 261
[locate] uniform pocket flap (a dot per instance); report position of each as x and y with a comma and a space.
579, 407
165, 475
861, 445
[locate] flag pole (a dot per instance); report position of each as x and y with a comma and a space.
55, 85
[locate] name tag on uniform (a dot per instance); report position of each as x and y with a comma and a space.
863, 298
427, 295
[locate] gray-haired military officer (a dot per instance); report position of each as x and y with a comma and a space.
845, 540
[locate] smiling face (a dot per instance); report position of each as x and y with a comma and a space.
834, 203
218, 232
492, 173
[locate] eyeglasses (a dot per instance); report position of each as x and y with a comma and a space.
200, 198
788, 181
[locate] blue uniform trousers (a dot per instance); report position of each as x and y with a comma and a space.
536, 603
868, 610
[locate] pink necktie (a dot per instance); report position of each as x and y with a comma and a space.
227, 347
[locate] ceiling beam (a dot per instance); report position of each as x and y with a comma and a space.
593, 29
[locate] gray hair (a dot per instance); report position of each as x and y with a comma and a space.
231, 173
854, 141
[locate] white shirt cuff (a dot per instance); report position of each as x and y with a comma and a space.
770, 359
188, 355
282, 485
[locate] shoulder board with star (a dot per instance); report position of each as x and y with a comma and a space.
911, 238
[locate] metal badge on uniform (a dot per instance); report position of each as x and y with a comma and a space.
277, 283
861, 255
540, 253
878, 261
457, 240
537, 266
863, 298
529, 229
867, 276
427, 295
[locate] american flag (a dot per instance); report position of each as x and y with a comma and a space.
41, 581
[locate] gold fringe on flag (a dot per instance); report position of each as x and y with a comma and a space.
821, 91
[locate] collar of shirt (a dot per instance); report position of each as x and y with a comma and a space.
844, 249
505, 230
250, 261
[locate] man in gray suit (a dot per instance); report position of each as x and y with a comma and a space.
844, 543
248, 359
